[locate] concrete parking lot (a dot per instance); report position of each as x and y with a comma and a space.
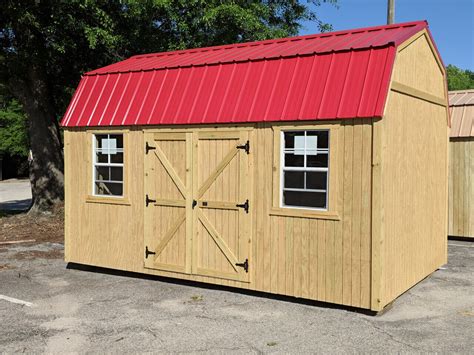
15, 194
80, 311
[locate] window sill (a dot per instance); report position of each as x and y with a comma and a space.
108, 200
288, 212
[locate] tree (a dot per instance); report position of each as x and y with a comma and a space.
13, 130
459, 79
46, 45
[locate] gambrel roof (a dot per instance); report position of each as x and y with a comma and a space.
337, 75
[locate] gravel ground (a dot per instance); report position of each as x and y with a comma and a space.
77, 311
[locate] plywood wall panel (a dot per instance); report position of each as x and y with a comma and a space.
320, 259
414, 177
416, 66
461, 188
414, 192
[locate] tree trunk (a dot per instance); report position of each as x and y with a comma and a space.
46, 158
46, 165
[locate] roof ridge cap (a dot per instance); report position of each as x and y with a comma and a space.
281, 40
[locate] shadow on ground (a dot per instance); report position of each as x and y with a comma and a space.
15, 205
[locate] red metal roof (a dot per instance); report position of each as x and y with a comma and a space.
336, 75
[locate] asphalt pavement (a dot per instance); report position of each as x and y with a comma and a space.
46, 307
15, 195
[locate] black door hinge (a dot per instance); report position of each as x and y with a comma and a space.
245, 147
244, 205
245, 265
148, 200
147, 252
148, 148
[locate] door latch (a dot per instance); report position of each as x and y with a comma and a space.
147, 252
148, 148
245, 265
245, 147
244, 205
148, 200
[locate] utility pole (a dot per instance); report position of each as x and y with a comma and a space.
391, 12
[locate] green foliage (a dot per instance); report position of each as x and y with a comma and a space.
459, 79
63, 39
45, 46
13, 133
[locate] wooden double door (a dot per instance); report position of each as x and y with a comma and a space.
197, 203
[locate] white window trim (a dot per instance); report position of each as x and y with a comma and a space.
94, 164
283, 169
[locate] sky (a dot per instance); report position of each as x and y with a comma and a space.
451, 22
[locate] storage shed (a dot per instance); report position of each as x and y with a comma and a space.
461, 165
311, 166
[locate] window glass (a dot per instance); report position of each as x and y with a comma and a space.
305, 199
294, 179
292, 159
108, 165
305, 169
316, 180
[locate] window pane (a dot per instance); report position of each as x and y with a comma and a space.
316, 180
294, 179
109, 188
290, 138
311, 143
317, 161
102, 173
304, 199
101, 158
116, 158
294, 160
98, 140
118, 139
323, 138
116, 173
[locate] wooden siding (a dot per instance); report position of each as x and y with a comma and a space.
417, 60
461, 187
413, 174
99, 233
315, 258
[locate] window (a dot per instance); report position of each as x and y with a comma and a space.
108, 165
305, 169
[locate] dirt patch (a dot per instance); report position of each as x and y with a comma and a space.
6, 267
40, 227
38, 254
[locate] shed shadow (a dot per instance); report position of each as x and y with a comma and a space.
461, 238
259, 294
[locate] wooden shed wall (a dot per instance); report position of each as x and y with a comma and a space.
417, 67
461, 187
315, 258
414, 171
